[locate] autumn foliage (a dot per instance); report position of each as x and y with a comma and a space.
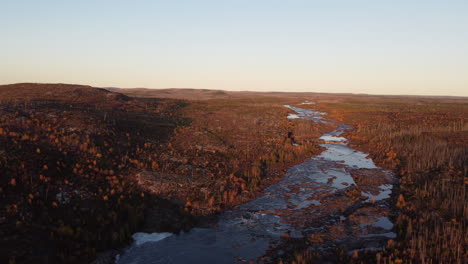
65, 156
82, 168
425, 141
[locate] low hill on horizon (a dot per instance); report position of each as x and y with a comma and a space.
63, 92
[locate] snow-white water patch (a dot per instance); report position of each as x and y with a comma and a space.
308, 103
141, 238
347, 156
332, 138
293, 116
307, 114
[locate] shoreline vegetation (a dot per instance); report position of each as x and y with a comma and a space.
84, 168
424, 141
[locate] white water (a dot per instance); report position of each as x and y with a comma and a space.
141, 238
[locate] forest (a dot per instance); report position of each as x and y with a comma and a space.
83, 168
424, 141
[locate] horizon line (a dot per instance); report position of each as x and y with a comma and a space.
253, 91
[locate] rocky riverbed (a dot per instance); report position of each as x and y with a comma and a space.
340, 197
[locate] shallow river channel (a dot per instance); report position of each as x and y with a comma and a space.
340, 196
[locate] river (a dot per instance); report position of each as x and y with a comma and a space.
340, 195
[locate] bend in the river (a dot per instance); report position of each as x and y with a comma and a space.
340, 195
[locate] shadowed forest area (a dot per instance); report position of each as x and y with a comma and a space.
83, 168
67, 152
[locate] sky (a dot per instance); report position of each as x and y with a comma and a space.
361, 46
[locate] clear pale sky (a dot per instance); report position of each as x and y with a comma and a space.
377, 47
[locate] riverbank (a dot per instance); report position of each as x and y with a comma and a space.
424, 142
293, 146
319, 197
